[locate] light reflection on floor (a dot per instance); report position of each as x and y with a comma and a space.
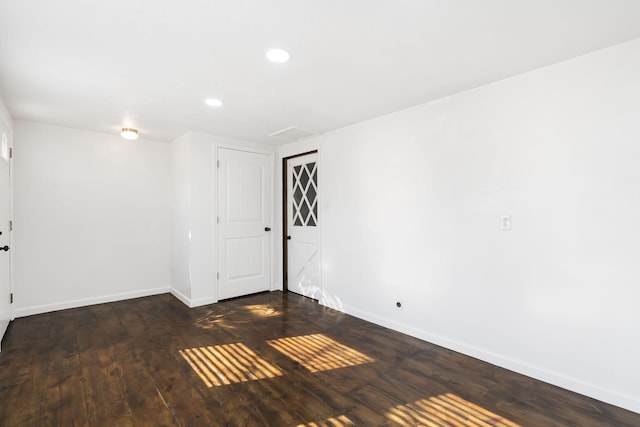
262, 310
445, 410
341, 421
318, 352
227, 364
214, 320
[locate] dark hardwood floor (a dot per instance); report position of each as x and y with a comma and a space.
263, 360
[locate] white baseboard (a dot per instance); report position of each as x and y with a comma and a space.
63, 305
189, 302
609, 396
29, 311
202, 301
182, 297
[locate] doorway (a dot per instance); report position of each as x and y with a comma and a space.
5, 228
244, 222
301, 225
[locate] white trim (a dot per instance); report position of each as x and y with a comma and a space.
214, 219
12, 218
554, 378
202, 301
189, 302
180, 296
272, 220
29, 311
6, 127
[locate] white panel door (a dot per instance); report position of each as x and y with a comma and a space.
5, 211
244, 222
303, 223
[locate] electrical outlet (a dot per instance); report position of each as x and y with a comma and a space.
505, 223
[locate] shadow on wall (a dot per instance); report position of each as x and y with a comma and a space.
309, 288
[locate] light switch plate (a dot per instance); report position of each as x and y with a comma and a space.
505, 223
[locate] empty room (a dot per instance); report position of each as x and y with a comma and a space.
320, 213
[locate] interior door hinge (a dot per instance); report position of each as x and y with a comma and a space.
218, 164
218, 275
11, 152
10, 225
11, 298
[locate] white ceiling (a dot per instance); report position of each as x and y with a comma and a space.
150, 64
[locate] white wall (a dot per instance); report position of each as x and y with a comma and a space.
180, 153
203, 285
193, 172
92, 218
411, 209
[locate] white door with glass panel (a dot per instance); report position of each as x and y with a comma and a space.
244, 222
5, 212
303, 249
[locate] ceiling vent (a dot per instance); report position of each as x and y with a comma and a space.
292, 133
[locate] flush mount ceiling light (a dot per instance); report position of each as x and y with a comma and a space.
278, 55
129, 133
212, 102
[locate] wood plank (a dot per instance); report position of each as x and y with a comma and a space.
64, 403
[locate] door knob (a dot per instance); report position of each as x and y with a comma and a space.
288, 237
267, 229
4, 248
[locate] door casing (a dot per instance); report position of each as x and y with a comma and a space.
268, 215
285, 216
5, 228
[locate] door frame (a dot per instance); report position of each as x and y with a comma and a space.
7, 129
215, 206
285, 217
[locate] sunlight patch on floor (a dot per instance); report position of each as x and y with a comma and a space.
445, 410
318, 352
214, 321
341, 421
227, 364
262, 310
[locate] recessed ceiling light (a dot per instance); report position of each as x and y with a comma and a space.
278, 55
212, 102
129, 133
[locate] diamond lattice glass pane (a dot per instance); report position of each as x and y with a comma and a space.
311, 222
304, 178
314, 178
311, 194
297, 170
310, 167
297, 222
315, 211
304, 210
297, 195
